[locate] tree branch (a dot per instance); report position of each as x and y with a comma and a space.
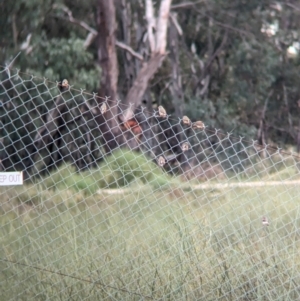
216, 53
290, 122
92, 32
241, 31
73, 20
15, 31
130, 50
292, 6
140, 84
149, 68
185, 4
176, 24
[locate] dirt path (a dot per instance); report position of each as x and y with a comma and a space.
206, 186
245, 184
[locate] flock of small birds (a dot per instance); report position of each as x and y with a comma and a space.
197, 125
161, 161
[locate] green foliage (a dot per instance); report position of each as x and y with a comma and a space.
67, 58
122, 168
250, 66
66, 177
51, 47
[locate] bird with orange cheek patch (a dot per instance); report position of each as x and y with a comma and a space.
133, 126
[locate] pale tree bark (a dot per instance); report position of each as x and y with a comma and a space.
157, 44
106, 40
162, 25
144, 70
176, 87
151, 24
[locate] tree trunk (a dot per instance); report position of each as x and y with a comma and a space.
157, 44
108, 123
136, 92
176, 87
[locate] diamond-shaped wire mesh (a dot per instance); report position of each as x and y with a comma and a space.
119, 203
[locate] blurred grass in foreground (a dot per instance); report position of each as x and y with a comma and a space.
153, 241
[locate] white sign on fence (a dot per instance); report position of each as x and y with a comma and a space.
11, 178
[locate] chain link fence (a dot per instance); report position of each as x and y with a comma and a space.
120, 203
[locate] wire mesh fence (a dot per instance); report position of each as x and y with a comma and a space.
119, 203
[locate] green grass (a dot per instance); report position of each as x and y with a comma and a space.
155, 240
121, 169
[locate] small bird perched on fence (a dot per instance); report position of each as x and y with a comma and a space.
198, 125
186, 120
161, 161
162, 112
103, 108
185, 146
265, 221
63, 85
